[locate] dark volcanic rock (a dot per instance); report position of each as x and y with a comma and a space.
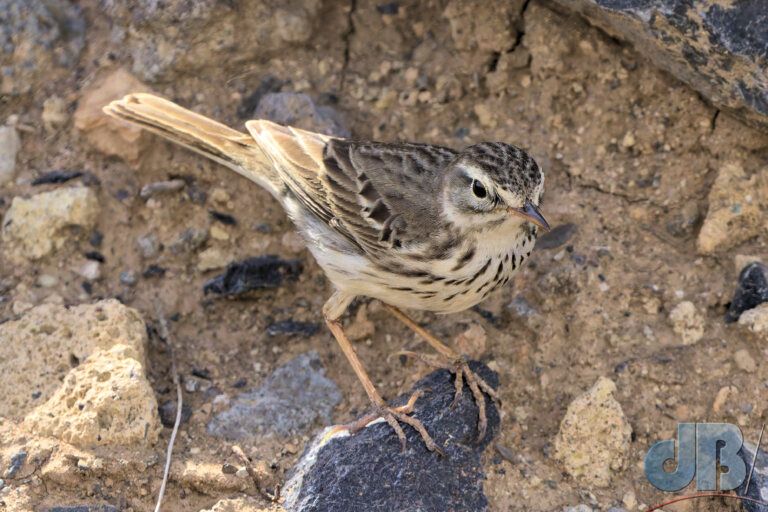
758, 485
289, 327
288, 402
252, 274
368, 471
718, 49
752, 291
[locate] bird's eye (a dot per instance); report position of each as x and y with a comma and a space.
479, 189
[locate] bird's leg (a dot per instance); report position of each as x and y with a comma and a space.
392, 415
457, 364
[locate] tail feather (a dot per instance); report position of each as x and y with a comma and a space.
229, 147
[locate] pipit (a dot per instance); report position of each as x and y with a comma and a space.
415, 226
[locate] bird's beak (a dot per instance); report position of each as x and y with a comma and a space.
531, 213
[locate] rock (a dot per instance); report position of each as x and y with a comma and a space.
106, 400
190, 240
291, 327
751, 292
687, 322
167, 412
291, 400
110, 136
711, 46
56, 177
594, 438
557, 237
758, 485
722, 398
482, 25
37, 350
212, 258
128, 278
734, 214
161, 187
148, 245
756, 320
298, 109
90, 270
54, 113
683, 221
337, 471
241, 505
472, 342
34, 227
253, 274
15, 464
744, 361
10, 144
37, 37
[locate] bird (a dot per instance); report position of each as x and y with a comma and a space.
414, 225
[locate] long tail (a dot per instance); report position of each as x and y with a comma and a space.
229, 147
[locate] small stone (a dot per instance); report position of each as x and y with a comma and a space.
191, 239
722, 398
220, 196
108, 135
293, 398
744, 361
751, 292
253, 274
629, 500
629, 140
16, 463
54, 113
10, 144
734, 214
212, 258
756, 320
167, 413
291, 327
241, 473
687, 322
35, 227
47, 280
298, 109
161, 187
148, 245
90, 270
594, 438
128, 278
218, 233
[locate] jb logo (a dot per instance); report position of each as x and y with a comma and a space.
700, 446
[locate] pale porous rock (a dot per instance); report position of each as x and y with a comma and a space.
106, 400
34, 227
734, 214
756, 320
241, 505
37, 350
687, 322
110, 136
9, 146
594, 437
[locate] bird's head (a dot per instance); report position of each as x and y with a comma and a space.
492, 184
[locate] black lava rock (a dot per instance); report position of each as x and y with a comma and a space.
752, 291
56, 177
368, 471
758, 485
252, 274
557, 237
168, 413
16, 463
290, 327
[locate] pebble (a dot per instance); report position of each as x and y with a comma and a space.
241, 473
47, 280
90, 270
290, 327
161, 187
167, 412
594, 438
218, 233
149, 246
288, 402
722, 398
16, 463
751, 291
220, 196
212, 258
252, 274
128, 277
744, 361
687, 322
10, 144
191, 239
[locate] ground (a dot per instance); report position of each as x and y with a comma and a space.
630, 156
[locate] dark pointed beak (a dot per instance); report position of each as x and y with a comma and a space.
531, 213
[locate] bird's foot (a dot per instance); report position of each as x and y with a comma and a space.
394, 416
459, 366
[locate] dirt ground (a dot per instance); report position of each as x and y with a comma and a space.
630, 155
